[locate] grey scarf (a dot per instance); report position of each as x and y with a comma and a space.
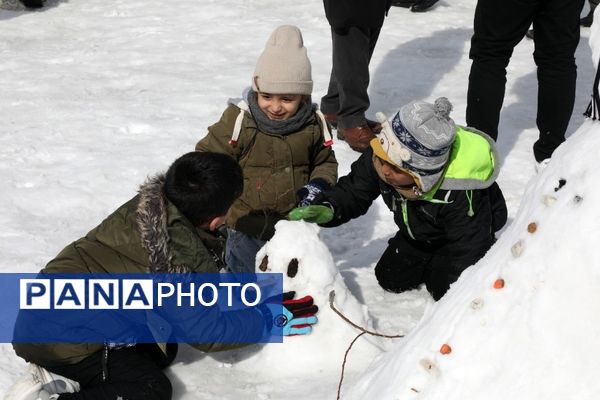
293, 124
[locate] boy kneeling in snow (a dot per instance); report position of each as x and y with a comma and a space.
438, 180
169, 227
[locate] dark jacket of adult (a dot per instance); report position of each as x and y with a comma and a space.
361, 13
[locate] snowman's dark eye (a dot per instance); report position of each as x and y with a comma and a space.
292, 268
264, 264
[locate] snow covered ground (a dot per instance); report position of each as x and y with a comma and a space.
96, 95
520, 323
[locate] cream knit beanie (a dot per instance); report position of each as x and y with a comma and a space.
283, 67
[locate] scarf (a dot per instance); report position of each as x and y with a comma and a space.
291, 125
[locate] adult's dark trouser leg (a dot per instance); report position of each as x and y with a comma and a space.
133, 373
330, 103
402, 266
556, 38
498, 27
347, 95
589, 18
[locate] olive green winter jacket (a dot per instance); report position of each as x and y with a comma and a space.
275, 167
131, 241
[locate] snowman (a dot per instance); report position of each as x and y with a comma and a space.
297, 252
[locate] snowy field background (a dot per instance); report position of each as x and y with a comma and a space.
97, 95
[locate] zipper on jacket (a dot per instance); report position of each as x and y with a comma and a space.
405, 218
104, 363
404, 209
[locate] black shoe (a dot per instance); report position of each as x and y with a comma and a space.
403, 3
33, 3
587, 20
423, 5
529, 34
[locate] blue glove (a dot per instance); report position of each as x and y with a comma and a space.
309, 192
295, 317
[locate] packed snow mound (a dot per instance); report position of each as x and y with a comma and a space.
526, 314
308, 268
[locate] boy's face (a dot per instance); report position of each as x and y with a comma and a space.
215, 222
392, 175
279, 107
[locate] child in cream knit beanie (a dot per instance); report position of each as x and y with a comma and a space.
283, 67
281, 141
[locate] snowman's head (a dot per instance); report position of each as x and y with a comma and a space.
297, 252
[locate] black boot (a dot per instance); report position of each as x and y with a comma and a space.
423, 5
588, 19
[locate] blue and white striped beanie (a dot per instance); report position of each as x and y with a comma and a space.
425, 133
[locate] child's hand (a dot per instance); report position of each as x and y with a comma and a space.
311, 192
318, 214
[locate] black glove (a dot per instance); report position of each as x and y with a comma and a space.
309, 193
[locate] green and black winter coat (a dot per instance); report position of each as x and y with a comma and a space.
456, 220
147, 234
275, 167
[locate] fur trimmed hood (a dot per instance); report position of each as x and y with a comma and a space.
151, 221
